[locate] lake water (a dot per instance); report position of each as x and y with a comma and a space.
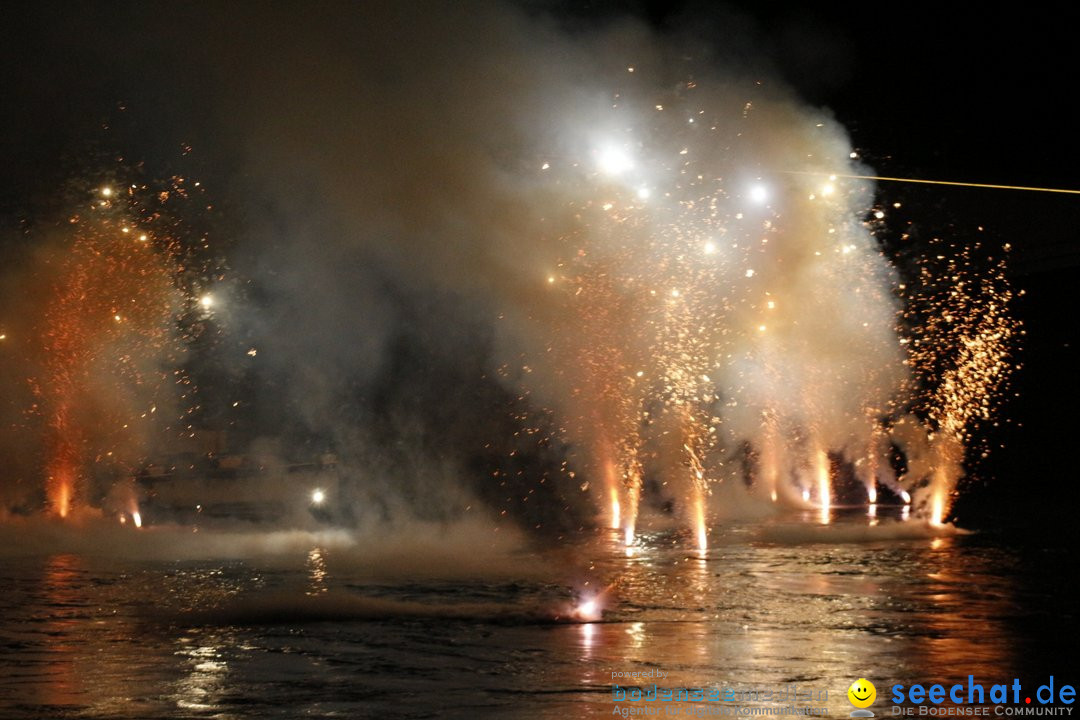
340, 629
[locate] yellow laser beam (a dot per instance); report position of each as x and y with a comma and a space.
935, 182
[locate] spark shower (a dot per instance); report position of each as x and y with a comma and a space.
684, 271
723, 318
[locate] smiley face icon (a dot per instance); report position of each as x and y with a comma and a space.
862, 694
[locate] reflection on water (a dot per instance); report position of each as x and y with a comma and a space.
84, 637
316, 567
60, 588
205, 672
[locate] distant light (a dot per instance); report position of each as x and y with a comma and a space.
106, 192
759, 193
207, 301
710, 247
905, 496
318, 497
750, 273
137, 519
644, 193
613, 160
829, 189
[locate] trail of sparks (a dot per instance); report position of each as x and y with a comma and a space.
923, 181
109, 332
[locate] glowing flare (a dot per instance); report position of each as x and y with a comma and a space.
824, 486
612, 160
62, 500
136, 518
937, 508
701, 532
588, 610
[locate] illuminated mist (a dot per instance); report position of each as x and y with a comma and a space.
675, 278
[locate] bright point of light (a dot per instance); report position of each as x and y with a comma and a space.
318, 497
806, 495
879, 214
761, 328
759, 194
613, 160
137, 519
905, 496
644, 193
710, 247
551, 279
828, 189
771, 304
207, 301
545, 166
106, 192
3, 336
674, 293
588, 610
749, 273
116, 318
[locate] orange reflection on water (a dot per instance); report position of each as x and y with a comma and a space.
61, 594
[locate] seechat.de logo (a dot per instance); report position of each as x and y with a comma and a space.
862, 694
